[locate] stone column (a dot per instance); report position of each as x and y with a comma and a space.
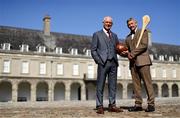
159, 90
83, 92
14, 92
33, 92
178, 84
67, 91
124, 96
170, 89
50, 91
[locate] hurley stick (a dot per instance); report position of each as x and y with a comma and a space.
146, 20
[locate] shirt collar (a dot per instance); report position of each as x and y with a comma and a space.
105, 31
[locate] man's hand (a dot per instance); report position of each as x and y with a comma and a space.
130, 57
124, 52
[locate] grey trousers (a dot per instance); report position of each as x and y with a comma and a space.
108, 70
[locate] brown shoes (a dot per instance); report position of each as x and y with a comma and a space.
100, 110
113, 108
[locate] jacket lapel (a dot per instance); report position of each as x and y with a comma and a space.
135, 39
105, 38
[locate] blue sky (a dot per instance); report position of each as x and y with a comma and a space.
84, 17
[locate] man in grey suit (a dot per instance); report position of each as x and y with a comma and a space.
103, 50
139, 65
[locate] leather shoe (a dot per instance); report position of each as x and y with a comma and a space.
113, 108
100, 110
150, 108
135, 108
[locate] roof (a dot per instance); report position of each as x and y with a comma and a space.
33, 38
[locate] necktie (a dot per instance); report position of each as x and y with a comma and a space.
109, 33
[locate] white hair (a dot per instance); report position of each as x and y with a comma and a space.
107, 17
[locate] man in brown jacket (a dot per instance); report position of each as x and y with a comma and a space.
139, 65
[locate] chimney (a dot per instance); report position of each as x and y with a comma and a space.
46, 20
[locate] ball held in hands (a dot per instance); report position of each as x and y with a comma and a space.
120, 47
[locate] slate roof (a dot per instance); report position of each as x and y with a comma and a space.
33, 38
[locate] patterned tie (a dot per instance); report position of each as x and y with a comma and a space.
109, 34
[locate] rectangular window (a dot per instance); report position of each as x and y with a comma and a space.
41, 49
6, 46
24, 48
74, 51
161, 58
42, 68
75, 69
174, 73
6, 66
151, 57
153, 72
90, 71
58, 50
59, 69
88, 52
171, 58
25, 67
164, 73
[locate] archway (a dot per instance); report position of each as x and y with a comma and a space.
155, 87
42, 91
59, 92
90, 91
130, 92
5, 91
75, 91
119, 92
24, 91
165, 92
175, 90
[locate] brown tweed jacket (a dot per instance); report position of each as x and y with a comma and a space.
140, 54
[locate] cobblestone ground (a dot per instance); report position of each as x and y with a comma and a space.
165, 108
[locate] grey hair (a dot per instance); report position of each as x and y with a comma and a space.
131, 19
106, 17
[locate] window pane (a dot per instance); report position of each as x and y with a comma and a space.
59, 69
25, 67
42, 68
90, 71
75, 69
6, 66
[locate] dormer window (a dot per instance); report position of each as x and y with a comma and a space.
171, 58
152, 57
24, 48
6, 46
161, 57
41, 49
88, 52
58, 50
74, 51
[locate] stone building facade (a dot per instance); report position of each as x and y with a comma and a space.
48, 66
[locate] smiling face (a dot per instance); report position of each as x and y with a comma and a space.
107, 23
132, 24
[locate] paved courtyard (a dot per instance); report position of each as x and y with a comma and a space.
165, 108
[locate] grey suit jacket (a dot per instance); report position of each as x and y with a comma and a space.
140, 54
99, 47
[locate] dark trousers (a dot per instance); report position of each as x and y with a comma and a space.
138, 74
108, 70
